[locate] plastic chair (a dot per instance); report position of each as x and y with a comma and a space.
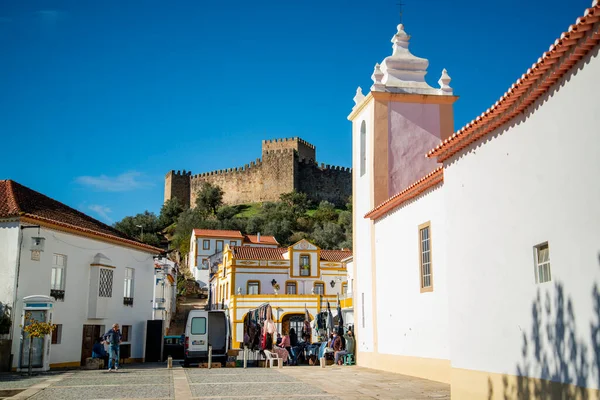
348, 359
272, 358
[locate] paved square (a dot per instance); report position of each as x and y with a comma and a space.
154, 381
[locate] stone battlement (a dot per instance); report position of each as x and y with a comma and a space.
286, 165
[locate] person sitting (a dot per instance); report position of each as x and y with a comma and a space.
337, 348
348, 348
98, 351
278, 341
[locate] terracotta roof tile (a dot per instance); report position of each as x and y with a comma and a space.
335, 255
17, 200
428, 181
258, 253
568, 49
264, 239
276, 253
218, 233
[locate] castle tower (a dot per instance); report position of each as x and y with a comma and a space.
398, 122
305, 150
177, 184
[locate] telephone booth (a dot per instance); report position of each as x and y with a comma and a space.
40, 309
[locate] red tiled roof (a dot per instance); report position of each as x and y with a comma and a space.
568, 49
258, 253
335, 255
218, 233
276, 253
428, 181
264, 239
20, 201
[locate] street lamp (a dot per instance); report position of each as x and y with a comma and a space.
142, 235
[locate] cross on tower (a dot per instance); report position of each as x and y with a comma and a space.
400, 5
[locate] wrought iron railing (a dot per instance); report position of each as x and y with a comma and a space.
128, 301
57, 294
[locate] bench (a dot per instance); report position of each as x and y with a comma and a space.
271, 358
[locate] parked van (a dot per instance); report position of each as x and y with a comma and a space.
202, 329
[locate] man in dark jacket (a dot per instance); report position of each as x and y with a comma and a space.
113, 338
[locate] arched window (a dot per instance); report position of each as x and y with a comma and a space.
363, 150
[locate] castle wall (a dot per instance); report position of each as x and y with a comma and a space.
286, 165
263, 180
177, 184
305, 150
324, 182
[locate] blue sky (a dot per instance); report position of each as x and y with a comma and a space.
99, 99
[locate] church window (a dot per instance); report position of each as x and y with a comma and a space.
425, 257
542, 263
363, 150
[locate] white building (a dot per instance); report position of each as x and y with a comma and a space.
207, 242
165, 291
96, 275
478, 266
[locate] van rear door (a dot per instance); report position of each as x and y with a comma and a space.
218, 332
198, 334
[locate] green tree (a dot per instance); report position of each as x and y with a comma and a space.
325, 213
187, 220
297, 202
169, 212
209, 198
226, 212
329, 236
146, 222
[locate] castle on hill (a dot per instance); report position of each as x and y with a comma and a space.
286, 165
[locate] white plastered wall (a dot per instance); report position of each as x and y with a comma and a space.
72, 313
362, 198
411, 323
535, 180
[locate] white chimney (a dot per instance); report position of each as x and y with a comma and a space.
258, 237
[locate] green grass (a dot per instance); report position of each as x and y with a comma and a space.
248, 210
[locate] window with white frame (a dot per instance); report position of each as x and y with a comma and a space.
425, 257
58, 276
128, 292
542, 263
363, 148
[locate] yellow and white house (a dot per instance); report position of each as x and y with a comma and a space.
290, 279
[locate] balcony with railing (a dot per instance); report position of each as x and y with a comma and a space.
59, 295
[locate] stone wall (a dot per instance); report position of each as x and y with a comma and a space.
324, 182
286, 165
263, 180
305, 150
177, 184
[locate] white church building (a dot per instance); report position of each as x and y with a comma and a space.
477, 252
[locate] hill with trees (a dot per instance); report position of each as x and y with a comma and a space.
290, 219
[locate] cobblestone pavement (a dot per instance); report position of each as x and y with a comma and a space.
154, 381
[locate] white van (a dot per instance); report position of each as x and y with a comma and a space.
204, 328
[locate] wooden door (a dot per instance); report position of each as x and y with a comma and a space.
90, 334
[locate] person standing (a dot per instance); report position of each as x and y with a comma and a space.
113, 337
